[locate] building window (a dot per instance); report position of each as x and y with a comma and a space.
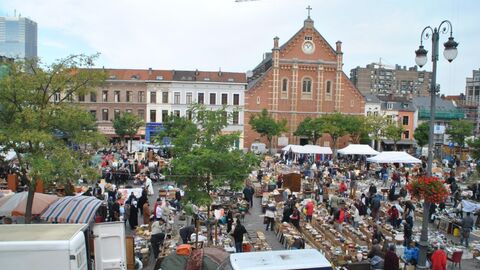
224, 99
153, 116
128, 110
105, 115
407, 135
405, 120
81, 98
116, 114
153, 97
258, 100
176, 113
141, 96
105, 96
165, 97
284, 85
176, 98
235, 118
389, 106
56, 97
189, 115
369, 113
164, 115
129, 96
189, 98
93, 97
213, 98
141, 114
116, 96
307, 86
236, 99
200, 98
94, 114
328, 88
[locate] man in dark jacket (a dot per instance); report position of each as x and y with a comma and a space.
467, 225
185, 233
391, 259
238, 233
248, 192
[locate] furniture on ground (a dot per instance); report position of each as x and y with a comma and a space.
456, 259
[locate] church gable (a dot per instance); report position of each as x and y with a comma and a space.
308, 44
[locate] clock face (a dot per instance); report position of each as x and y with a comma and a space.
308, 47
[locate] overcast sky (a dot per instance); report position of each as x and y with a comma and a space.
209, 34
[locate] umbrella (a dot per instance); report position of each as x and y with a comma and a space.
16, 204
72, 209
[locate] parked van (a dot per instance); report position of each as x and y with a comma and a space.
258, 148
299, 259
62, 246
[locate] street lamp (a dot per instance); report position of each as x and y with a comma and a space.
421, 59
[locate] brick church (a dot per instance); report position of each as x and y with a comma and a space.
301, 78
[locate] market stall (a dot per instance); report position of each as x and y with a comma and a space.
358, 149
15, 205
394, 157
72, 209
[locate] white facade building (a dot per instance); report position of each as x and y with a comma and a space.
213, 89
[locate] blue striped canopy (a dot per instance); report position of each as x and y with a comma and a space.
72, 209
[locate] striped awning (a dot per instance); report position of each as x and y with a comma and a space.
72, 209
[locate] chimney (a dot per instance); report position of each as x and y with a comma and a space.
149, 71
196, 72
220, 72
275, 42
339, 46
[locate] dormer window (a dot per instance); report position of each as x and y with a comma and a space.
135, 77
231, 80
206, 79
389, 106
112, 77
159, 78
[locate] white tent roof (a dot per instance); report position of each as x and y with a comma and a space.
308, 149
393, 157
358, 149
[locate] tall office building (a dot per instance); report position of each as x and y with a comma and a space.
18, 37
379, 79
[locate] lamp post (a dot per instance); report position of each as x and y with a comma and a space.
421, 59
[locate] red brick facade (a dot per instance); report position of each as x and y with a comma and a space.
301, 78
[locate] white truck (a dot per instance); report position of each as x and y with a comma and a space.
63, 246
258, 148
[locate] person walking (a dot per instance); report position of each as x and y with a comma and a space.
309, 210
158, 236
146, 213
248, 193
467, 225
270, 215
238, 233
295, 218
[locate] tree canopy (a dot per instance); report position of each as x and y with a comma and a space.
375, 125
336, 125
127, 124
40, 123
394, 131
205, 158
421, 134
267, 127
459, 130
312, 128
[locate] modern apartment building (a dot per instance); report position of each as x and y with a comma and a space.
379, 79
472, 88
18, 37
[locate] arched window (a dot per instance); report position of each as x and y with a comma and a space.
307, 86
328, 88
284, 85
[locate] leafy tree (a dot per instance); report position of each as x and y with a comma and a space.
474, 145
312, 128
336, 124
127, 124
459, 130
421, 134
375, 126
205, 159
266, 126
394, 132
39, 121
356, 127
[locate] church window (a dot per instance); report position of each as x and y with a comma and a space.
308, 38
328, 88
284, 85
307, 86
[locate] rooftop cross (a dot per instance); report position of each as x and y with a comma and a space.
309, 9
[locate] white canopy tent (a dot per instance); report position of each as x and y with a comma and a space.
358, 149
393, 157
308, 149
